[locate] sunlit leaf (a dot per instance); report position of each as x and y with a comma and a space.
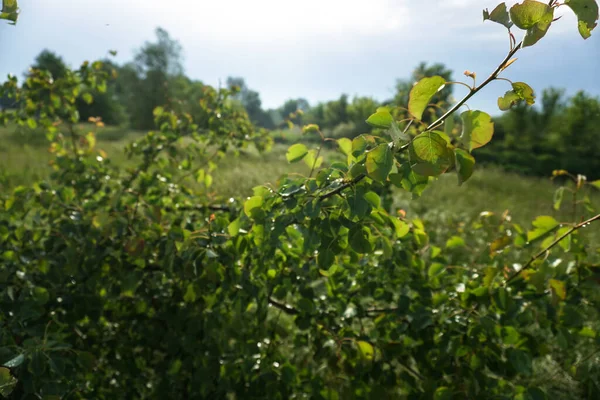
587, 15
558, 288
379, 162
498, 15
381, 119
366, 349
252, 205
542, 225
345, 145
7, 382
465, 164
421, 94
430, 155
478, 129
296, 152
534, 17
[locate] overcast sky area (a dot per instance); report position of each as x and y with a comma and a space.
316, 49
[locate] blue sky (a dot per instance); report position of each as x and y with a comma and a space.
316, 49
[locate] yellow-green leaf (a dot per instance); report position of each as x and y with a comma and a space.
465, 164
478, 129
421, 94
381, 119
430, 154
558, 288
587, 15
296, 152
379, 162
366, 349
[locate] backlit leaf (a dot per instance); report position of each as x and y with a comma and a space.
421, 94
465, 164
498, 15
366, 349
430, 155
381, 119
296, 152
478, 129
379, 162
587, 15
558, 288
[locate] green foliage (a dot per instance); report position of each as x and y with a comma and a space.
10, 11
141, 282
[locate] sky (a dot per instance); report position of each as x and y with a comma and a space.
315, 49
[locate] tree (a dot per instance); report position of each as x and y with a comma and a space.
251, 102
49, 61
108, 105
146, 80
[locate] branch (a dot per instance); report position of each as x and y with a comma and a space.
285, 308
554, 243
493, 76
343, 187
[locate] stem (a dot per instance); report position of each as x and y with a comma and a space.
316, 160
558, 240
474, 91
286, 309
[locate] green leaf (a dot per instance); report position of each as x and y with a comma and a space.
409, 180
443, 393
455, 241
525, 92
520, 361
498, 15
40, 295
534, 17
234, 227
373, 199
430, 154
421, 94
360, 240
529, 13
379, 162
10, 10
465, 164
402, 228
381, 119
190, 294
595, 184
366, 350
87, 98
296, 152
542, 226
345, 145
558, 197
558, 288
311, 161
7, 382
587, 15
360, 144
15, 362
396, 134
478, 129
509, 99
252, 205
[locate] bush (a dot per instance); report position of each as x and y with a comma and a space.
142, 283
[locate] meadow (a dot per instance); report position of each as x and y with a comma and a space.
24, 158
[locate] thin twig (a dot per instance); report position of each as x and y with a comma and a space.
554, 243
492, 77
283, 307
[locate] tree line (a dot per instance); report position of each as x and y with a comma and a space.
528, 140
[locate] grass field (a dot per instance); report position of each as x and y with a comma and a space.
24, 158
